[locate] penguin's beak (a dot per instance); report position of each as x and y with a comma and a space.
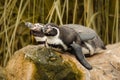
34, 27
29, 25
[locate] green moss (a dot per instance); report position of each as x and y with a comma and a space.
50, 66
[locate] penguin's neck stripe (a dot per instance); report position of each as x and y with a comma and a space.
55, 40
58, 33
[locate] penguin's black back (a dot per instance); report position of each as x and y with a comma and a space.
68, 35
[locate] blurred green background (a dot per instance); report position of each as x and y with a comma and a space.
101, 15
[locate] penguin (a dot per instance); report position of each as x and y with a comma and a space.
92, 43
36, 31
63, 38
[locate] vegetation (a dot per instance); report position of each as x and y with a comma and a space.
101, 15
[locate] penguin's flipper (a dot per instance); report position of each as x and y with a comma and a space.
79, 55
86, 36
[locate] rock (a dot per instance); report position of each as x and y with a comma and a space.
36, 63
106, 66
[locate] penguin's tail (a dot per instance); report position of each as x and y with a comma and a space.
104, 47
99, 43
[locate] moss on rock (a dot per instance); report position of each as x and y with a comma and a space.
51, 66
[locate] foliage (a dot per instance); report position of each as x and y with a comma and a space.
101, 15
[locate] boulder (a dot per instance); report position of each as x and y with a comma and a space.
106, 66
40, 63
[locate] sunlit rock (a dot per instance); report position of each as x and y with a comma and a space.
36, 63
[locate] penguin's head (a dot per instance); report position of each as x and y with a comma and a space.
50, 29
35, 29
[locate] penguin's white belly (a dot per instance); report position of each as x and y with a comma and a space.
91, 50
40, 38
85, 51
56, 41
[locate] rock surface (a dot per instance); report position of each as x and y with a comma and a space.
35, 63
106, 66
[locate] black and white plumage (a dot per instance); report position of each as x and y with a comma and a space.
61, 36
64, 37
36, 31
93, 43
